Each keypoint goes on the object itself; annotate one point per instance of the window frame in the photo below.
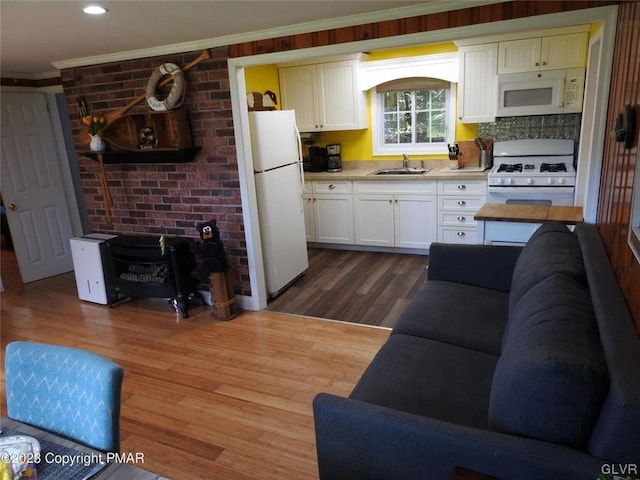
(379, 148)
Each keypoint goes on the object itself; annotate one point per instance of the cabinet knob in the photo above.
(461, 219)
(460, 118)
(460, 234)
(537, 64)
(461, 202)
(332, 187)
(461, 187)
(390, 202)
(544, 63)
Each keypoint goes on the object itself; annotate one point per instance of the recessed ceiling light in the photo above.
(94, 10)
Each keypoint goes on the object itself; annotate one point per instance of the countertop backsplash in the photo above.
(562, 126)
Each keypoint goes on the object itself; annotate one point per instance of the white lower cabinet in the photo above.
(395, 214)
(373, 220)
(458, 202)
(407, 214)
(328, 212)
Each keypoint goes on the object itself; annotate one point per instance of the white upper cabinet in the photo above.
(543, 53)
(297, 92)
(325, 96)
(478, 87)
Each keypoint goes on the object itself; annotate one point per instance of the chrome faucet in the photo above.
(405, 160)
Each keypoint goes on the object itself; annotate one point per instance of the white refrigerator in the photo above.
(277, 164)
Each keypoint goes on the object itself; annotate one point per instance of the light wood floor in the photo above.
(201, 398)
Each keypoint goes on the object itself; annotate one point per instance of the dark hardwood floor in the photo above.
(360, 287)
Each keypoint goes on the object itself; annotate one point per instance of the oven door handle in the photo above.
(541, 189)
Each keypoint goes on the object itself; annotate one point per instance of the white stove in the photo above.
(543, 162)
(535, 171)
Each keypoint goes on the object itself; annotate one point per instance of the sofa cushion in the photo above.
(551, 249)
(433, 379)
(551, 379)
(463, 315)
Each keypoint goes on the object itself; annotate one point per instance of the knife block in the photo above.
(470, 154)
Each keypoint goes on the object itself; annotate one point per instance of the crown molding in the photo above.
(435, 6)
(32, 76)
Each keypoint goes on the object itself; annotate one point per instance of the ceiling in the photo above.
(39, 37)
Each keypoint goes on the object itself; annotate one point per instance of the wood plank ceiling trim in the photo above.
(404, 26)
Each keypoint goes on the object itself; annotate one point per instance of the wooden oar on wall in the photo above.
(111, 117)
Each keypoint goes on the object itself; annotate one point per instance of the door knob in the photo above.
(12, 206)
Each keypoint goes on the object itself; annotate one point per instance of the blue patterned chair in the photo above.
(71, 392)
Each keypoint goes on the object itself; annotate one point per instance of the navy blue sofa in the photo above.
(514, 362)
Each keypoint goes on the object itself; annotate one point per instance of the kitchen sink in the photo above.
(401, 171)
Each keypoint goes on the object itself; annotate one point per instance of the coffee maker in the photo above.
(317, 160)
(334, 162)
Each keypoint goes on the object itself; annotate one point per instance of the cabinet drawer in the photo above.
(460, 218)
(395, 186)
(339, 186)
(462, 203)
(464, 235)
(462, 187)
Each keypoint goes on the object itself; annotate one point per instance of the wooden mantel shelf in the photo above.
(180, 155)
(495, 212)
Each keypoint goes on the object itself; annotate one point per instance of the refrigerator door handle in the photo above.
(300, 162)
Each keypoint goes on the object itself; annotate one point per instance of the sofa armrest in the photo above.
(360, 440)
(488, 266)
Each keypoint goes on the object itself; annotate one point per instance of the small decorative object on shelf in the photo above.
(147, 138)
(97, 143)
(94, 125)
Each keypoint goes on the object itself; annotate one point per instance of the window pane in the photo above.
(438, 98)
(422, 127)
(390, 102)
(404, 101)
(390, 128)
(438, 126)
(422, 99)
(405, 128)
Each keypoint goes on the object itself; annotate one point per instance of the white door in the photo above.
(32, 188)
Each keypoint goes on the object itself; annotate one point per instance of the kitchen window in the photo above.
(413, 116)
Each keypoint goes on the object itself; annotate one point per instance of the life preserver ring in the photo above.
(176, 94)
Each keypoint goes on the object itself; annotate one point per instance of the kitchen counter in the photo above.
(529, 213)
(514, 224)
(362, 170)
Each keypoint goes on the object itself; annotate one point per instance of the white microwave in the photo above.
(540, 93)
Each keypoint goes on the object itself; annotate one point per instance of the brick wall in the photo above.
(168, 199)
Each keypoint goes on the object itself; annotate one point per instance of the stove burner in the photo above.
(510, 167)
(553, 167)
